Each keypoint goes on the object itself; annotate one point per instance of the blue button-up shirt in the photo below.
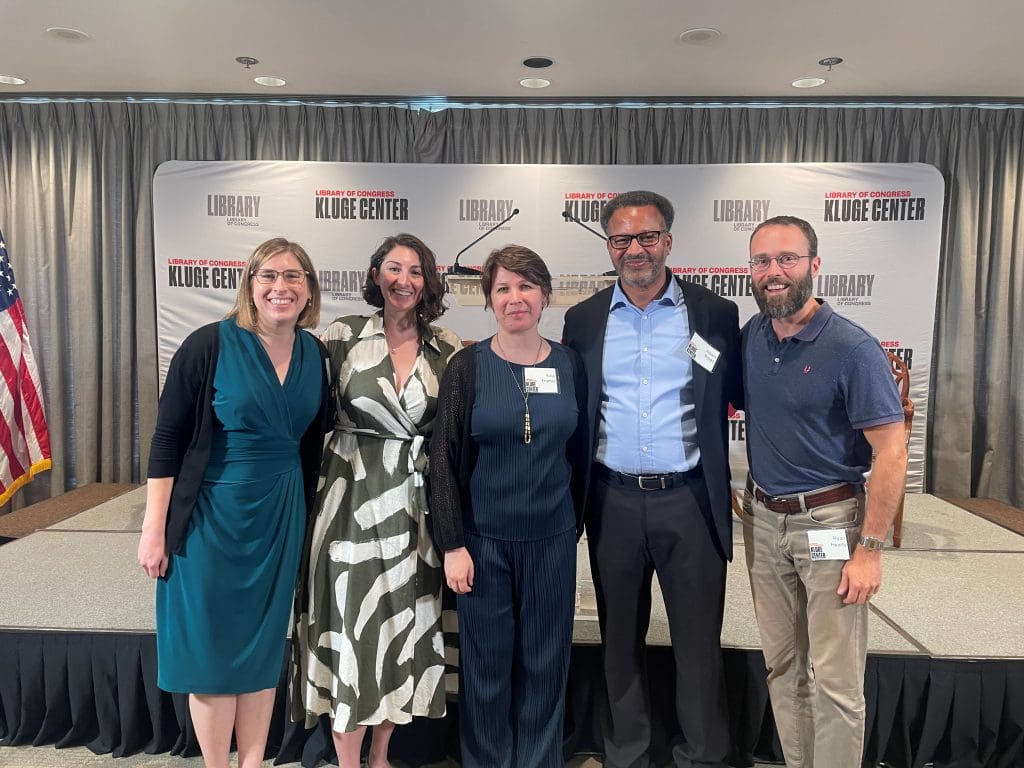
(647, 420)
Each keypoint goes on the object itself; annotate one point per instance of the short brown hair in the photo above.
(244, 310)
(521, 260)
(431, 305)
(791, 221)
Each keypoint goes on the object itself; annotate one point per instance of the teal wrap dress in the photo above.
(224, 607)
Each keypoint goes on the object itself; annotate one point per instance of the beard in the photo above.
(776, 308)
(643, 277)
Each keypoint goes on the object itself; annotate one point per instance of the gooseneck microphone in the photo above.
(569, 217)
(456, 268)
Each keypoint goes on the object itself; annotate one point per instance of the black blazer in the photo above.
(453, 451)
(717, 321)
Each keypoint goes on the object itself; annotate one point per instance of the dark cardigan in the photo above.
(453, 452)
(184, 429)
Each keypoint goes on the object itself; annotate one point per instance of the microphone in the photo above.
(456, 268)
(569, 217)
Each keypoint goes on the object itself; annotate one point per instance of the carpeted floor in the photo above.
(80, 757)
(15, 525)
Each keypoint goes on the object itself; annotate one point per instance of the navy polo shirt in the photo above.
(809, 396)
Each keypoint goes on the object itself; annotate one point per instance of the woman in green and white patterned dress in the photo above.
(368, 648)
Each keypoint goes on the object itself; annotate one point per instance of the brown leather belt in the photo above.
(790, 505)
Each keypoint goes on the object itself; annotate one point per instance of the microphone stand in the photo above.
(458, 269)
(569, 217)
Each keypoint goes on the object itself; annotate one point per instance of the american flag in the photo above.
(24, 441)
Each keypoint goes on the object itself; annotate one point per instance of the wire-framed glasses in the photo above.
(785, 260)
(269, 276)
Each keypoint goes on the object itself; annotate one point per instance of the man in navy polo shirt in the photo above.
(820, 399)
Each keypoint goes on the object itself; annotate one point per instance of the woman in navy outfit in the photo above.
(507, 456)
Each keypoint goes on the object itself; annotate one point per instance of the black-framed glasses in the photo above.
(269, 276)
(786, 261)
(646, 239)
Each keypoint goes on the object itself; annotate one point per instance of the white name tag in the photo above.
(540, 381)
(828, 545)
(703, 354)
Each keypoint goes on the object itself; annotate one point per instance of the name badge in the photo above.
(540, 381)
(828, 545)
(702, 353)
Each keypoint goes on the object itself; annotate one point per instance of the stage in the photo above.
(944, 682)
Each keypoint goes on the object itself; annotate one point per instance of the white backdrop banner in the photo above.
(878, 225)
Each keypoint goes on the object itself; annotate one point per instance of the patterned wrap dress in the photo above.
(368, 644)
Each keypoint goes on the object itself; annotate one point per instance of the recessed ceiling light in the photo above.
(270, 82)
(68, 34)
(699, 36)
(808, 82)
(12, 80)
(534, 82)
(537, 62)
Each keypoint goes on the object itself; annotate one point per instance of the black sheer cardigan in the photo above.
(453, 451)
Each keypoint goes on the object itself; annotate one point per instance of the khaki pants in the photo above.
(814, 645)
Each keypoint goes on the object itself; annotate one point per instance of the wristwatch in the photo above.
(872, 542)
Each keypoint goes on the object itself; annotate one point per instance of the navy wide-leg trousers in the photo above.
(515, 635)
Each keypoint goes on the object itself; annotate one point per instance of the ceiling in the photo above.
(466, 50)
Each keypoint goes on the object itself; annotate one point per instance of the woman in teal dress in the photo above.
(232, 474)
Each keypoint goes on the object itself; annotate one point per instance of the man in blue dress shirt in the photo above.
(663, 362)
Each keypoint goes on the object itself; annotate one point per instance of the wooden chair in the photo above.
(737, 503)
(902, 375)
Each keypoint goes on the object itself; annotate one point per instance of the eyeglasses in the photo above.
(646, 239)
(269, 276)
(786, 261)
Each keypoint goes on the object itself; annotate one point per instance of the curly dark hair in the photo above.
(431, 304)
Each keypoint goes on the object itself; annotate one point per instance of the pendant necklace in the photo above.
(527, 430)
(387, 341)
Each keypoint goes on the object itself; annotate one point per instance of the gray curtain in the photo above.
(76, 210)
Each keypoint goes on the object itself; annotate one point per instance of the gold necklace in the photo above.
(527, 427)
(394, 350)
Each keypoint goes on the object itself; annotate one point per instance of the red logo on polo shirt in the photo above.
(807, 369)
